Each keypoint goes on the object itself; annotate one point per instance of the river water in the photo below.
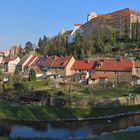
(66, 129)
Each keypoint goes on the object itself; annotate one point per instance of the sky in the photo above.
(28, 20)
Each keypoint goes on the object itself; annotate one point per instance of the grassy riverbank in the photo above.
(47, 113)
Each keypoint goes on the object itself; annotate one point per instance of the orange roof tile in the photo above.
(83, 65)
(100, 76)
(114, 65)
(61, 62)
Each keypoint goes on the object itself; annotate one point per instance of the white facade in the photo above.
(6, 53)
(1, 59)
(12, 65)
(91, 15)
(72, 36)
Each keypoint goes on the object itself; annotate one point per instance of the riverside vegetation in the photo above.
(10, 108)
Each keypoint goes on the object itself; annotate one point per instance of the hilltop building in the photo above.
(124, 20)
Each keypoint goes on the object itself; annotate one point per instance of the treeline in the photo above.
(104, 39)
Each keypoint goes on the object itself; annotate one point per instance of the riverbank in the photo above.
(47, 113)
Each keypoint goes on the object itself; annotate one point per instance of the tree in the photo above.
(61, 44)
(28, 47)
(99, 39)
(78, 47)
(43, 46)
(88, 43)
(32, 75)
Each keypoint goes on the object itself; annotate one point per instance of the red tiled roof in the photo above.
(77, 24)
(114, 65)
(83, 65)
(61, 62)
(31, 61)
(57, 62)
(100, 76)
(50, 61)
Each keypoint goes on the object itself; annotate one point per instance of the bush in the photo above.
(35, 84)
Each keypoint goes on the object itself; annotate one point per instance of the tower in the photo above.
(91, 15)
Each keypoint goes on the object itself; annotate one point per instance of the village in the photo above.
(67, 73)
(90, 73)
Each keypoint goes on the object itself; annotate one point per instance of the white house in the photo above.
(11, 65)
(72, 36)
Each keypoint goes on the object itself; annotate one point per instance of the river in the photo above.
(66, 129)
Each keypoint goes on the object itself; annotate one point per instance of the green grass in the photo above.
(47, 113)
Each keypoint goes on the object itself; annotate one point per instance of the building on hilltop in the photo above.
(123, 20)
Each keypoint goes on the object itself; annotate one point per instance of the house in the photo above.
(136, 68)
(1, 57)
(41, 63)
(55, 65)
(61, 65)
(37, 70)
(30, 62)
(26, 62)
(82, 66)
(10, 65)
(120, 69)
(100, 78)
(72, 34)
(81, 69)
(136, 73)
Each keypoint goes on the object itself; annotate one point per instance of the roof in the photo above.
(57, 62)
(2, 53)
(100, 76)
(78, 25)
(41, 61)
(7, 60)
(83, 65)
(31, 60)
(114, 65)
(23, 59)
(61, 62)
(50, 61)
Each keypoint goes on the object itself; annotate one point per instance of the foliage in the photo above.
(48, 113)
(28, 47)
(32, 75)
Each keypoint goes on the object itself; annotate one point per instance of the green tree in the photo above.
(61, 44)
(28, 47)
(32, 75)
(44, 46)
(99, 39)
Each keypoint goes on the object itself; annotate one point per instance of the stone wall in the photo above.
(91, 103)
(121, 101)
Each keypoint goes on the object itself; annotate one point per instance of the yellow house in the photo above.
(136, 68)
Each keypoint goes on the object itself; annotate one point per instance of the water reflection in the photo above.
(66, 129)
